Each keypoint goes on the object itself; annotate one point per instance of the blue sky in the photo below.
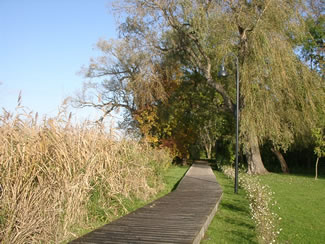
(43, 44)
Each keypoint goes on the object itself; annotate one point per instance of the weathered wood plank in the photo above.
(181, 216)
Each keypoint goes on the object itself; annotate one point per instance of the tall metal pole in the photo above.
(237, 124)
(223, 73)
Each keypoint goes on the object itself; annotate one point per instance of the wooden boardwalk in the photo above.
(181, 216)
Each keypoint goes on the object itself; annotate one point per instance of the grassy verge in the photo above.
(302, 207)
(232, 222)
(171, 177)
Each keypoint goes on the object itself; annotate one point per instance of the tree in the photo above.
(278, 91)
(193, 115)
(319, 136)
(130, 80)
(283, 163)
(312, 53)
(313, 44)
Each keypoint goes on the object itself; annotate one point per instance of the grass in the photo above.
(171, 178)
(232, 222)
(302, 207)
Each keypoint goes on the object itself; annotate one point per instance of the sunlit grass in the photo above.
(170, 179)
(232, 222)
(302, 207)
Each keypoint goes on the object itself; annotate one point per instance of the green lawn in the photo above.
(232, 222)
(301, 200)
(302, 207)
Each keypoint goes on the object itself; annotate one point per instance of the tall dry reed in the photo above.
(50, 170)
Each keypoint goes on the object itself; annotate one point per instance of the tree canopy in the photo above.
(163, 72)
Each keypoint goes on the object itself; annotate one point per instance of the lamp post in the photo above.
(223, 73)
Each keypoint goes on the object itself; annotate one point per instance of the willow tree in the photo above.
(125, 79)
(278, 92)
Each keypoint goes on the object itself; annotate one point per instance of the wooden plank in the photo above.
(181, 216)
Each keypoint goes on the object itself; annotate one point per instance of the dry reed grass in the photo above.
(50, 170)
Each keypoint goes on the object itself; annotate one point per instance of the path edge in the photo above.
(201, 233)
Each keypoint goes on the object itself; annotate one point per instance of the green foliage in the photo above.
(225, 149)
(300, 201)
(192, 116)
(313, 43)
(167, 60)
(319, 136)
(96, 210)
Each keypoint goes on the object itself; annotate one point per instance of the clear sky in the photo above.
(43, 44)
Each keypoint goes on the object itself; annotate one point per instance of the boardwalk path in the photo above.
(181, 216)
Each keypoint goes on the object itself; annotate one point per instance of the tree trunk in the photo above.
(216, 149)
(283, 163)
(254, 159)
(316, 169)
(208, 149)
